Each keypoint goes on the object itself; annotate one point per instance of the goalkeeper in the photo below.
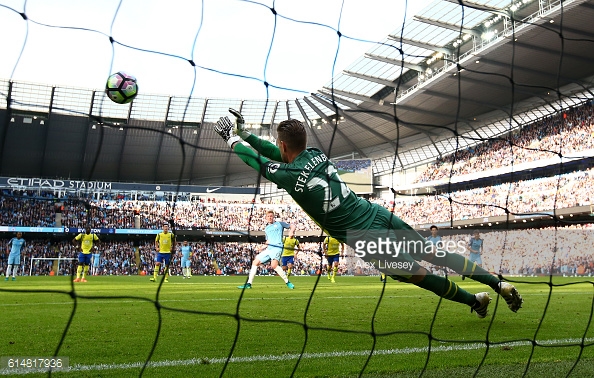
(313, 182)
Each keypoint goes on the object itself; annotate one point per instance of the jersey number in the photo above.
(336, 185)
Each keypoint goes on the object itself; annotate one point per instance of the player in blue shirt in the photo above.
(96, 257)
(476, 248)
(434, 238)
(274, 249)
(14, 256)
(186, 260)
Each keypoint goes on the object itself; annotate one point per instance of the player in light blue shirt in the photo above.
(274, 237)
(96, 257)
(186, 260)
(14, 256)
(434, 238)
(273, 250)
(476, 248)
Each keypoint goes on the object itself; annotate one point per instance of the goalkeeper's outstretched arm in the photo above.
(264, 147)
(225, 129)
(258, 162)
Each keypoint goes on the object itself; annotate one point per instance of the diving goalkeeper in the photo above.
(313, 182)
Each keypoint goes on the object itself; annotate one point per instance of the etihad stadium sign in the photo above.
(75, 185)
(57, 184)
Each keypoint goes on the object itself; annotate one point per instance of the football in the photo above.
(121, 88)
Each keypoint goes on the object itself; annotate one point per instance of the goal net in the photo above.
(468, 116)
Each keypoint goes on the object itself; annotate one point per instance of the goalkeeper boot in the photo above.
(75, 280)
(510, 294)
(290, 285)
(166, 280)
(152, 279)
(481, 307)
(246, 286)
(83, 280)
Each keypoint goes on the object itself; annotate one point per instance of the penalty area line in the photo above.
(295, 356)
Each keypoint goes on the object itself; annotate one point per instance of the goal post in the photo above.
(57, 259)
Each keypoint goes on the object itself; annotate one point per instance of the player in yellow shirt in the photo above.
(85, 242)
(290, 245)
(164, 243)
(333, 249)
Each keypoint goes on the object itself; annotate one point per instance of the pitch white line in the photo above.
(287, 357)
(291, 298)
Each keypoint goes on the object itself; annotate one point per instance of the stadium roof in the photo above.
(472, 71)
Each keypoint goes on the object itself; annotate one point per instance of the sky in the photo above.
(67, 43)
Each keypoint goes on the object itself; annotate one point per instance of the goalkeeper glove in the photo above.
(239, 124)
(224, 128)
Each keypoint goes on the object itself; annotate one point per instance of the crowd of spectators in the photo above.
(559, 135)
(521, 197)
(356, 165)
(562, 251)
(564, 133)
(529, 252)
(27, 208)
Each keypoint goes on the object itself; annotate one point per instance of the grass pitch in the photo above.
(112, 326)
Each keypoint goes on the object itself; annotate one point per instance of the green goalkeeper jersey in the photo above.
(313, 182)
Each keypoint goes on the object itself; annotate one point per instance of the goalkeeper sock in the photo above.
(462, 265)
(446, 289)
(281, 273)
(85, 271)
(78, 271)
(252, 274)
